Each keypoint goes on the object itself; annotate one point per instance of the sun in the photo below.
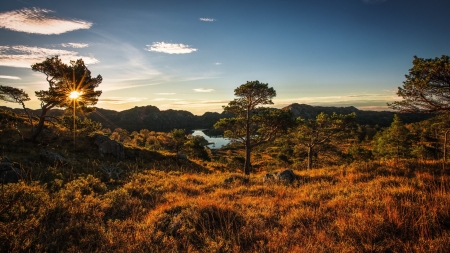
(74, 94)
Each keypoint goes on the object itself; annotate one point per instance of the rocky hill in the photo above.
(151, 118)
(382, 119)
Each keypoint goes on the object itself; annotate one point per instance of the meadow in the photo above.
(161, 205)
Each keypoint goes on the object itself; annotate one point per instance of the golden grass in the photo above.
(357, 208)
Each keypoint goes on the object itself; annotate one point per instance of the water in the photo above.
(217, 142)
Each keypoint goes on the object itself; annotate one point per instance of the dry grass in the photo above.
(357, 208)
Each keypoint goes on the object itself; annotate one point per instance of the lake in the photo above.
(216, 142)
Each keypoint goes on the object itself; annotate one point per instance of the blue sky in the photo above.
(191, 55)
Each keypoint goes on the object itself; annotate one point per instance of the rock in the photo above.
(268, 178)
(286, 175)
(108, 146)
(9, 173)
(52, 157)
(181, 156)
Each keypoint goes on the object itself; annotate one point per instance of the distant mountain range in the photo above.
(151, 118)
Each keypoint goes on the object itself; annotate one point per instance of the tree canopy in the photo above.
(323, 130)
(253, 124)
(427, 87)
(64, 79)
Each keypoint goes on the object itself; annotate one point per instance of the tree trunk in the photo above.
(40, 125)
(310, 153)
(247, 164)
(444, 159)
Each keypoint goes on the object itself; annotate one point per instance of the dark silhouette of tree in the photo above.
(64, 79)
(253, 124)
(427, 87)
(14, 95)
(322, 131)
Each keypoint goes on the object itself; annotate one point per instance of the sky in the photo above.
(191, 55)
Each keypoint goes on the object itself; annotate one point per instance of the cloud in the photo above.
(217, 63)
(11, 77)
(208, 19)
(203, 90)
(163, 94)
(75, 45)
(39, 21)
(165, 99)
(24, 57)
(120, 100)
(170, 48)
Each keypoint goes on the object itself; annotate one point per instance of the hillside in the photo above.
(372, 118)
(152, 118)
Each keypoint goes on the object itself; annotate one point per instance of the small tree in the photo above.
(14, 95)
(321, 131)
(393, 142)
(253, 125)
(427, 87)
(178, 137)
(64, 79)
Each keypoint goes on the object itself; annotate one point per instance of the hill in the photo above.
(152, 118)
(372, 118)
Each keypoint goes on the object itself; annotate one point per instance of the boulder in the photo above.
(286, 176)
(51, 157)
(268, 178)
(9, 173)
(181, 156)
(107, 146)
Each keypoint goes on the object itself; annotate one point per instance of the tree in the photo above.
(178, 137)
(14, 95)
(321, 131)
(427, 87)
(394, 141)
(253, 125)
(64, 79)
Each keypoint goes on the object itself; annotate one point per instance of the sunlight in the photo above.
(74, 94)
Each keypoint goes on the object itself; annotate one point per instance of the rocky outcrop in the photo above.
(286, 176)
(107, 146)
(53, 158)
(9, 173)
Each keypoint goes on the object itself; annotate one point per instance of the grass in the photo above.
(159, 204)
(364, 209)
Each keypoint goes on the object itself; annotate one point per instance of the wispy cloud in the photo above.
(24, 56)
(170, 48)
(120, 100)
(165, 93)
(10, 77)
(217, 63)
(75, 45)
(166, 99)
(208, 19)
(203, 90)
(39, 21)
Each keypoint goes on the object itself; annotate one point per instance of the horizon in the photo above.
(191, 56)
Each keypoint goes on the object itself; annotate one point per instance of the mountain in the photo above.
(382, 119)
(151, 118)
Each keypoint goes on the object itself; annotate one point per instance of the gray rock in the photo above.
(9, 173)
(269, 178)
(181, 156)
(52, 157)
(286, 176)
(108, 146)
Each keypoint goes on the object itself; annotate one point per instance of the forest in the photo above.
(284, 183)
